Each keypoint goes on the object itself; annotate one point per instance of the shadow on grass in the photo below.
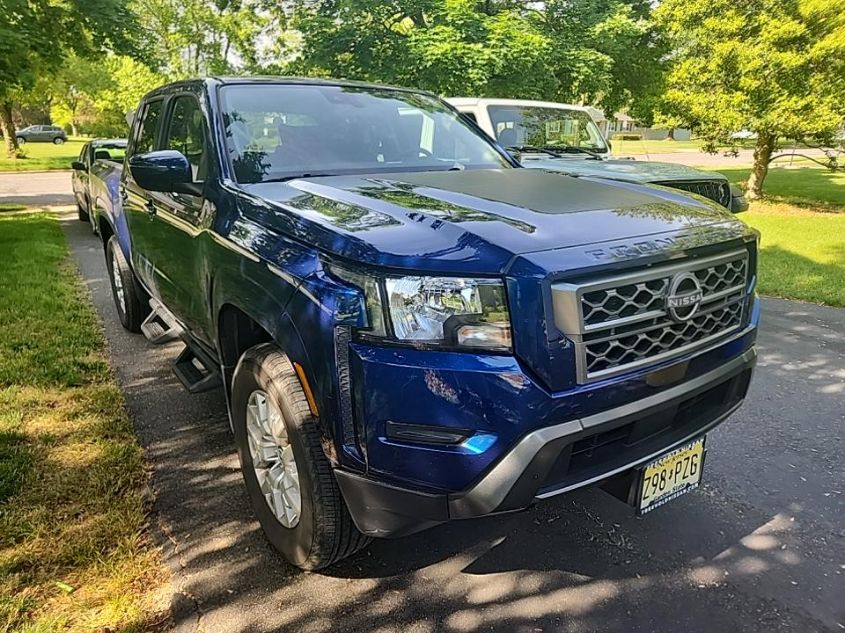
(820, 189)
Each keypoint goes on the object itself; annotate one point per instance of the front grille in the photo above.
(624, 322)
(717, 191)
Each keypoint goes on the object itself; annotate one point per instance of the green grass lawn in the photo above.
(802, 226)
(805, 186)
(802, 253)
(74, 555)
(640, 148)
(43, 156)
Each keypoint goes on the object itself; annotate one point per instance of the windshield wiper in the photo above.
(533, 149)
(557, 151)
(563, 149)
(298, 176)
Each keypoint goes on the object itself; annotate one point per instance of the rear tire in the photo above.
(82, 214)
(319, 531)
(132, 303)
(21, 140)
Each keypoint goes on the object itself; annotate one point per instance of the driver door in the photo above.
(177, 219)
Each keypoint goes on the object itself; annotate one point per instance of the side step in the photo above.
(160, 327)
(196, 371)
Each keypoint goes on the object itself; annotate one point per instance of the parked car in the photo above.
(98, 160)
(562, 137)
(41, 134)
(744, 135)
(409, 327)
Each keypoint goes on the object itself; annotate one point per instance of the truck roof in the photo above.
(484, 101)
(273, 79)
(115, 142)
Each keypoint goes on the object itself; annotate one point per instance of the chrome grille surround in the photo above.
(715, 190)
(621, 323)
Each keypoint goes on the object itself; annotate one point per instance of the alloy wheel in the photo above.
(273, 459)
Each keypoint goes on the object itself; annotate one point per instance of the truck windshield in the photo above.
(284, 131)
(536, 126)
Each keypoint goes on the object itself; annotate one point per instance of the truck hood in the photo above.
(627, 170)
(475, 221)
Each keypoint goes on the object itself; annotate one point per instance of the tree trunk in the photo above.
(671, 135)
(73, 129)
(762, 156)
(8, 128)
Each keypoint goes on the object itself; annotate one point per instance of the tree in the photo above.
(603, 51)
(127, 80)
(775, 67)
(199, 37)
(71, 89)
(36, 36)
(606, 52)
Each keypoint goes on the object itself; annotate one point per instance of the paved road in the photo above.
(760, 548)
(46, 188)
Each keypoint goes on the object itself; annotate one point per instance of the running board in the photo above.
(196, 371)
(160, 327)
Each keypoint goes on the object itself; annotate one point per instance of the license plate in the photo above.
(671, 475)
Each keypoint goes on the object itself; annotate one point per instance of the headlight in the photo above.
(454, 311)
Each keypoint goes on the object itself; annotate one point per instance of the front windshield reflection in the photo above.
(284, 131)
(543, 127)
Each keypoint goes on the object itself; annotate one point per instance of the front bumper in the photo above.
(555, 459)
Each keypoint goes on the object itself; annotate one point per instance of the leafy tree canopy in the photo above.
(604, 51)
(190, 38)
(775, 67)
(37, 35)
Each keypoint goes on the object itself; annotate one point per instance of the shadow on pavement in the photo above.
(722, 559)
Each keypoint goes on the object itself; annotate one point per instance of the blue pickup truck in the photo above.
(409, 327)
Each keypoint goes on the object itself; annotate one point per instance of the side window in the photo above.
(185, 135)
(149, 128)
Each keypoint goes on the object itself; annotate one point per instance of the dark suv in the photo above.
(41, 134)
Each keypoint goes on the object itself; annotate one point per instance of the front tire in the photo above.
(289, 479)
(131, 301)
(58, 140)
(82, 214)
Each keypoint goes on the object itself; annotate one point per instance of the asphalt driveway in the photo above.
(36, 188)
(760, 548)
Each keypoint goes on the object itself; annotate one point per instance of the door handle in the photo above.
(151, 209)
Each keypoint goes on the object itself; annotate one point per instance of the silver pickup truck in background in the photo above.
(564, 138)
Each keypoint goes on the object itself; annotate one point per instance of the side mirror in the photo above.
(165, 170)
(78, 165)
(739, 203)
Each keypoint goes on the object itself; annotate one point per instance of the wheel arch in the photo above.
(105, 228)
(237, 330)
